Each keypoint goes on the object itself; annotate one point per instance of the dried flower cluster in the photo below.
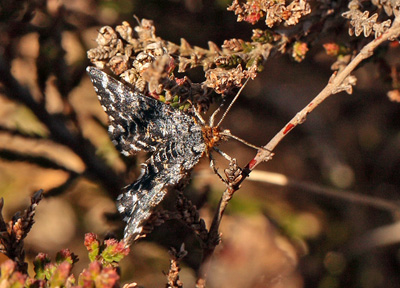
(12, 234)
(389, 6)
(361, 22)
(148, 63)
(275, 12)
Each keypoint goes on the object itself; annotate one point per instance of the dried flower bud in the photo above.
(361, 23)
(60, 274)
(97, 276)
(40, 263)
(125, 31)
(275, 12)
(106, 36)
(299, 51)
(331, 49)
(65, 255)
(114, 251)
(92, 245)
(394, 95)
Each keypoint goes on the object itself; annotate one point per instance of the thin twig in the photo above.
(382, 236)
(282, 180)
(346, 195)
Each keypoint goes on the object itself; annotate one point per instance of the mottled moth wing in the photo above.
(138, 122)
(131, 115)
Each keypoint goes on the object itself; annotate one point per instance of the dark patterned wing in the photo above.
(133, 118)
(139, 122)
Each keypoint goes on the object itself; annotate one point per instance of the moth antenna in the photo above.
(228, 134)
(233, 101)
(138, 20)
(212, 118)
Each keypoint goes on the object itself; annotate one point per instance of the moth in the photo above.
(175, 140)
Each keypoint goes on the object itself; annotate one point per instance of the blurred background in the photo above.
(333, 224)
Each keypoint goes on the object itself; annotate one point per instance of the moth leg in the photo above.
(223, 154)
(197, 114)
(233, 173)
(214, 168)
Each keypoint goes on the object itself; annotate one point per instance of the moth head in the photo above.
(212, 136)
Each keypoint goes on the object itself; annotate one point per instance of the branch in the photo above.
(40, 161)
(22, 134)
(337, 83)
